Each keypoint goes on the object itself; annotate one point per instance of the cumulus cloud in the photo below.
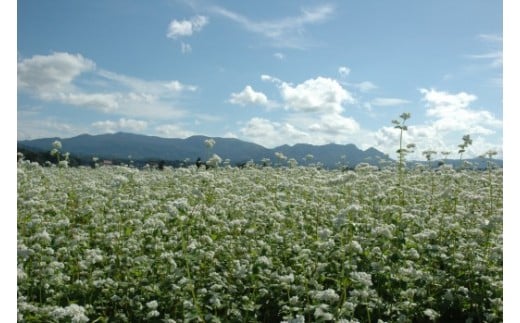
(184, 28)
(320, 94)
(271, 134)
(109, 126)
(453, 113)
(451, 117)
(248, 96)
(301, 129)
(336, 125)
(314, 113)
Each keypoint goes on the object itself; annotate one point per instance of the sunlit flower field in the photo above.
(253, 244)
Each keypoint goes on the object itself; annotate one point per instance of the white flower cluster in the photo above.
(293, 244)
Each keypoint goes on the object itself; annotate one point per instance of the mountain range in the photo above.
(125, 146)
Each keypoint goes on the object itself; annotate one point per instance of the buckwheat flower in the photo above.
(215, 301)
(280, 156)
(21, 275)
(355, 246)
(321, 313)
(263, 260)
(412, 253)
(354, 208)
(328, 295)
(194, 245)
(209, 143)
(287, 279)
(75, 312)
(361, 278)
(153, 313)
(294, 300)
(298, 319)
(152, 305)
(348, 307)
(43, 236)
(187, 304)
(214, 161)
(324, 233)
(181, 204)
(383, 231)
(56, 144)
(431, 314)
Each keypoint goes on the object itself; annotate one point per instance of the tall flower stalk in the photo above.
(466, 142)
(428, 155)
(400, 124)
(489, 166)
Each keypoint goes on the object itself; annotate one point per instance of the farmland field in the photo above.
(294, 244)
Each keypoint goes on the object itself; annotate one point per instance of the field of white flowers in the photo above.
(300, 244)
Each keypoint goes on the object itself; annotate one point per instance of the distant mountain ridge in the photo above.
(141, 147)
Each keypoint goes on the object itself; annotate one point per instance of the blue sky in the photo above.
(270, 72)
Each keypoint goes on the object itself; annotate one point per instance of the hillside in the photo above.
(124, 146)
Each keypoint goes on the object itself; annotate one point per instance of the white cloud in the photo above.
(271, 134)
(230, 135)
(494, 57)
(454, 115)
(177, 86)
(59, 78)
(173, 131)
(440, 103)
(269, 78)
(155, 88)
(494, 38)
(185, 48)
(46, 127)
(452, 118)
(314, 107)
(387, 102)
(248, 96)
(343, 71)
(301, 129)
(122, 124)
(45, 75)
(365, 86)
(100, 101)
(314, 95)
(279, 56)
(336, 125)
(284, 32)
(183, 28)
